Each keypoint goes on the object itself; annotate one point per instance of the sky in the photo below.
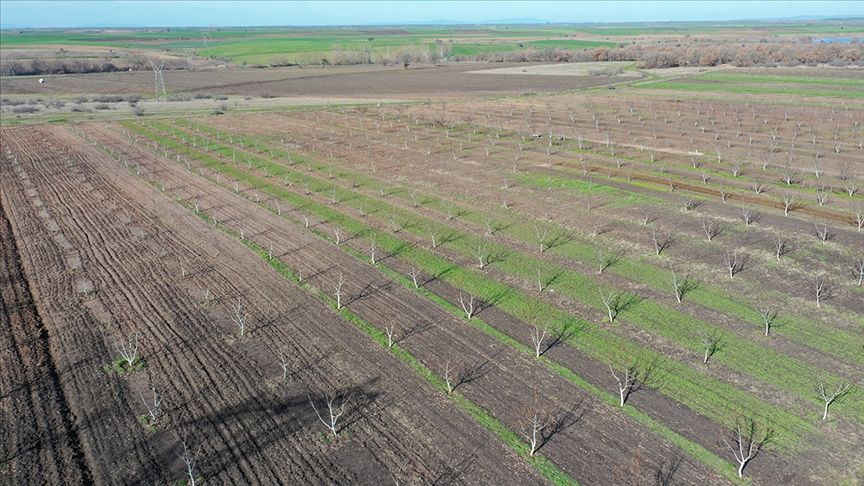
(58, 14)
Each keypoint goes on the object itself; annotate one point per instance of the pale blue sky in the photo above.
(24, 14)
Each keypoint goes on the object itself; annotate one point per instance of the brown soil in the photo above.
(451, 81)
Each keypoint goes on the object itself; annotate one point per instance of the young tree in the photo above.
(605, 260)
(534, 429)
(338, 290)
(711, 229)
(749, 216)
(710, 345)
(789, 203)
(373, 245)
(780, 247)
(334, 404)
(450, 377)
(433, 234)
(390, 330)
(661, 242)
(128, 348)
(239, 318)
(746, 440)
(480, 253)
(190, 459)
(858, 271)
(540, 234)
(612, 300)
(154, 405)
(821, 289)
(415, 275)
(769, 315)
(538, 336)
(633, 377)
(824, 233)
(681, 285)
(286, 363)
(830, 394)
(735, 262)
(467, 305)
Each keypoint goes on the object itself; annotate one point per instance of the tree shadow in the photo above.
(561, 421)
(449, 474)
(562, 335)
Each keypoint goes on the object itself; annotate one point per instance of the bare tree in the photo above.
(746, 440)
(661, 242)
(538, 336)
(711, 229)
(824, 233)
(450, 377)
(710, 345)
(681, 285)
(336, 403)
(749, 216)
(190, 459)
(633, 377)
(540, 234)
(788, 204)
(780, 247)
(821, 287)
(373, 245)
(128, 348)
(154, 405)
(467, 305)
(768, 315)
(830, 393)
(337, 235)
(541, 282)
(338, 290)
(859, 220)
(286, 363)
(605, 260)
(390, 330)
(858, 271)
(239, 318)
(612, 300)
(414, 274)
(480, 253)
(433, 234)
(735, 262)
(533, 429)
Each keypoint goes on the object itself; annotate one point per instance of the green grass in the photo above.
(764, 84)
(703, 394)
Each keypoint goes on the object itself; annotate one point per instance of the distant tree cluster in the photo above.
(77, 66)
(677, 54)
(743, 55)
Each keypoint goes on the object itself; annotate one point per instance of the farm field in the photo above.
(420, 83)
(578, 287)
(472, 254)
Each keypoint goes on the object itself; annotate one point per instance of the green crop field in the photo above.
(792, 85)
